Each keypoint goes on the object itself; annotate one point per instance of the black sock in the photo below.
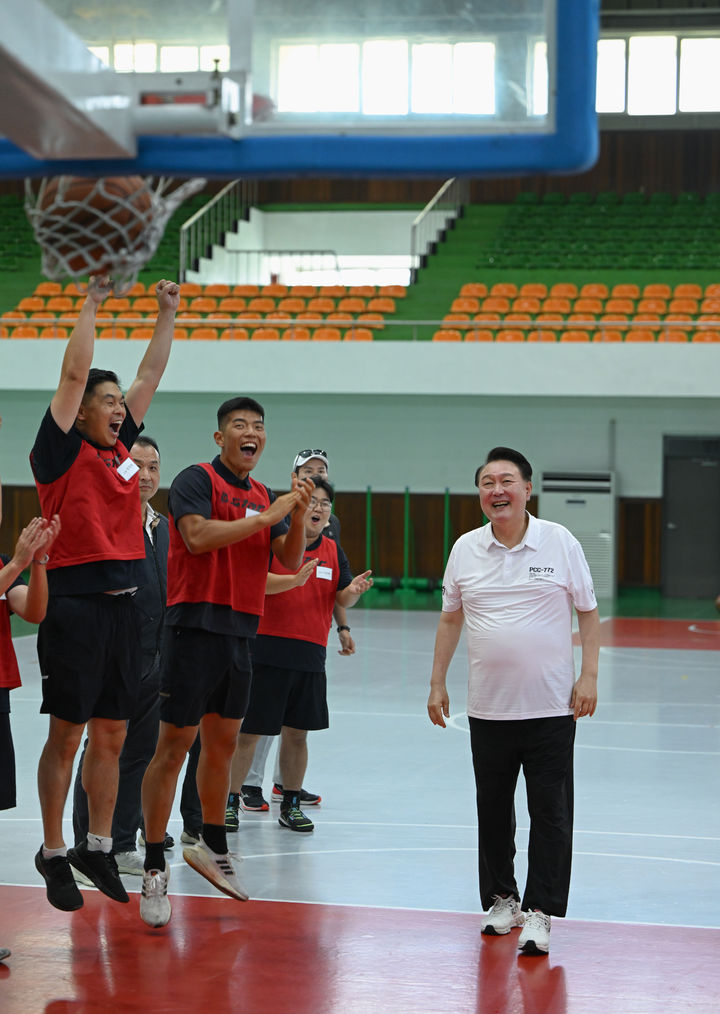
(154, 856)
(291, 799)
(215, 838)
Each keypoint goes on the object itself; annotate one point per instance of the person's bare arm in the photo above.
(289, 548)
(446, 641)
(278, 583)
(30, 601)
(202, 535)
(584, 695)
(78, 357)
(152, 367)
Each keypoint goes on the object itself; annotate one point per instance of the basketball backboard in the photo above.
(243, 88)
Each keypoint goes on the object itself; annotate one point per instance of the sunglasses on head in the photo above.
(311, 452)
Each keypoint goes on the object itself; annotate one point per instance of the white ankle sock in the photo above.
(53, 853)
(96, 843)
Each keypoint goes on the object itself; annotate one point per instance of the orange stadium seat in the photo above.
(141, 333)
(200, 304)
(117, 304)
(245, 290)
(53, 331)
(217, 289)
(510, 335)
(640, 334)
(393, 291)
(138, 289)
(594, 290)
(24, 331)
(447, 335)
(712, 291)
(619, 321)
(148, 304)
(507, 289)
(711, 304)
(683, 304)
(48, 289)
(477, 290)
(384, 304)
(263, 304)
(279, 317)
(608, 334)
(486, 317)
(30, 303)
(358, 334)
(480, 334)
(302, 291)
(535, 290)
(352, 304)
(13, 315)
(340, 315)
(619, 305)
(190, 289)
(657, 290)
(456, 319)
(518, 319)
(180, 334)
(275, 290)
(321, 304)
(588, 304)
(498, 304)
(678, 318)
(296, 334)
(542, 335)
(234, 334)
(371, 318)
(687, 290)
(556, 304)
(526, 304)
(564, 290)
(71, 289)
(203, 334)
(651, 305)
(266, 334)
(113, 332)
(625, 290)
(709, 335)
(673, 334)
(326, 334)
(4, 333)
(575, 335)
(332, 291)
(465, 304)
(364, 291)
(231, 304)
(293, 304)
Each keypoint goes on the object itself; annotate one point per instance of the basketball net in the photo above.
(78, 239)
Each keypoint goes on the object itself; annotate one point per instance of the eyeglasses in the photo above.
(323, 505)
(310, 452)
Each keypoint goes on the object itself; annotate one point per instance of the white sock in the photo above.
(53, 853)
(96, 843)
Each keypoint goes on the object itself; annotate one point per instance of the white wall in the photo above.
(393, 414)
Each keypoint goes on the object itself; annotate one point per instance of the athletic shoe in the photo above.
(251, 799)
(218, 869)
(101, 868)
(232, 822)
(535, 937)
(130, 862)
(505, 915)
(155, 908)
(168, 841)
(306, 798)
(80, 878)
(5, 952)
(62, 890)
(191, 835)
(292, 817)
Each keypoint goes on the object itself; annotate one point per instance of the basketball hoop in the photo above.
(108, 226)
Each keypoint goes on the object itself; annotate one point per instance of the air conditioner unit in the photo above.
(586, 504)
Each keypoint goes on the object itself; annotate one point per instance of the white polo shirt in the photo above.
(518, 615)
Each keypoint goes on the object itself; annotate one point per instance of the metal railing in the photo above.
(446, 205)
(211, 223)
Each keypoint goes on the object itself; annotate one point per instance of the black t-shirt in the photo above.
(288, 652)
(191, 493)
(52, 456)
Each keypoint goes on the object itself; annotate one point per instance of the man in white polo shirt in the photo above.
(514, 582)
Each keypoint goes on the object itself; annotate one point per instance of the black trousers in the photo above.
(137, 752)
(543, 749)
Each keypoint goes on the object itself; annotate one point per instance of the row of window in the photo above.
(641, 75)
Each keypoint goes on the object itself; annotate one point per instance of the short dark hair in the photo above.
(145, 441)
(237, 404)
(96, 377)
(507, 454)
(322, 483)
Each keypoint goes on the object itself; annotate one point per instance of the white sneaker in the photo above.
(535, 937)
(505, 915)
(218, 869)
(80, 878)
(155, 908)
(130, 862)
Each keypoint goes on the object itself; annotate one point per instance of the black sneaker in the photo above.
(62, 890)
(232, 821)
(168, 840)
(251, 798)
(101, 868)
(306, 798)
(293, 818)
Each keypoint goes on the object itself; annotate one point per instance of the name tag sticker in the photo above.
(324, 573)
(128, 469)
(249, 512)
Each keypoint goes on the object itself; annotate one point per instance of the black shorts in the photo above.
(285, 697)
(7, 754)
(90, 657)
(201, 674)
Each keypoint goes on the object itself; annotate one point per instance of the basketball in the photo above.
(93, 219)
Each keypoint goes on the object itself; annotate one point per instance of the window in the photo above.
(179, 59)
(610, 76)
(539, 89)
(652, 75)
(385, 77)
(699, 79)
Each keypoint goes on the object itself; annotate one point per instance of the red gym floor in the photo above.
(279, 958)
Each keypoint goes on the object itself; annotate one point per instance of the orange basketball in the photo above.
(115, 208)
